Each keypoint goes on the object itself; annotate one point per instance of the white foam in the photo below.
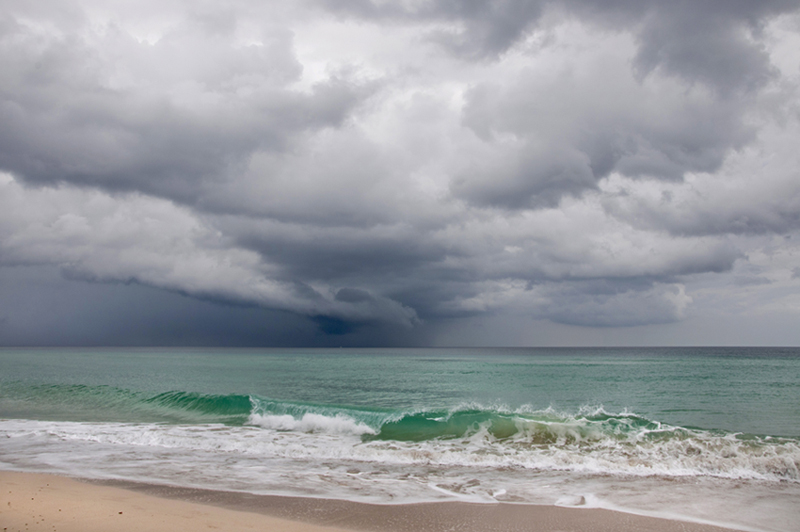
(585, 500)
(325, 457)
(311, 423)
(320, 437)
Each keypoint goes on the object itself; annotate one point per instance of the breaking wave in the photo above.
(590, 440)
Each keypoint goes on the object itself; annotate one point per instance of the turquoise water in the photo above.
(401, 425)
(749, 390)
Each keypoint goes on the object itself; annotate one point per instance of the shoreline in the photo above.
(45, 502)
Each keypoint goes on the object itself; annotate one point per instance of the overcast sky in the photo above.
(405, 172)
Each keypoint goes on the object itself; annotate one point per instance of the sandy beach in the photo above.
(39, 502)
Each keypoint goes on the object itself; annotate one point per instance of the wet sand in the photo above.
(38, 502)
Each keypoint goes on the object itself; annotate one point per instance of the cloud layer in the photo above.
(373, 172)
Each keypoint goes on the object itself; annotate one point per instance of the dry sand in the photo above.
(37, 502)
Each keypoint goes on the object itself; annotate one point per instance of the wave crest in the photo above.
(311, 423)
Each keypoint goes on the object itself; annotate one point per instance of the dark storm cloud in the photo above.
(714, 42)
(201, 121)
(132, 238)
(575, 130)
(561, 160)
(64, 121)
(710, 44)
(447, 273)
(336, 253)
(751, 218)
(572, 132)
(708, 41)
(617, 304)
(47, 310)
(477, 29)
(166, 120)
(751, 198)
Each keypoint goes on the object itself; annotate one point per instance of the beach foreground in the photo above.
(38, 502)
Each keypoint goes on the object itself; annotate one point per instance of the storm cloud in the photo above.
(370, 173)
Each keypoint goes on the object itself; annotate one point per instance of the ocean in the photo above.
(702, 434)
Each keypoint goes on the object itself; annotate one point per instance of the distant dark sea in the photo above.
(705, 434)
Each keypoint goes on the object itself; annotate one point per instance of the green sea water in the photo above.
(749, 390)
